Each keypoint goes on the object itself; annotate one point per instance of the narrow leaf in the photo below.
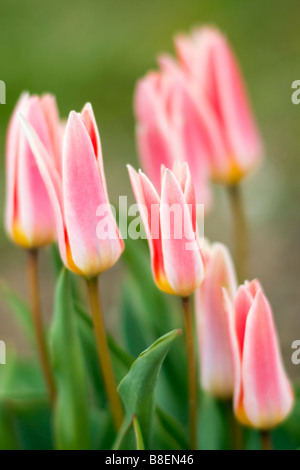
(173, 428)
(72, 426)
(21, 311)
(121, 360)
(138, 386)
(138, 434)
(130, 437)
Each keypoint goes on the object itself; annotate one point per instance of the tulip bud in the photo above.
(216, 361)
(29, 217)
(170, 225)
(213, 76)
(79, 196)
(263, 395)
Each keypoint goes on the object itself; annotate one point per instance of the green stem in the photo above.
(38, 322)
(103, 351)
(241, 237)
(192, 371)
(236, 438)
(266, 441)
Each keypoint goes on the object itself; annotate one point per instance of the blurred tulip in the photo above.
(213, 77)
(29, 217)
(216, 361)
(77, 195)
(263, 395)
(174, 246)
(169, 129)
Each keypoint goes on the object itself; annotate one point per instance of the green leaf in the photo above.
(121, 360)
(287, 436)
(25, 416)
(148, 313)
(102, 424)
(138, 434)
(58, 265)
(158, 311)
(8, 438)
(138, 386)
(21, 311)
(90, 355)
(72, 425)
(169, 429)
(210, 424)
(169, 432)
(253, 441)
(126, 438)
(137, 331)
(121, 356)
(56, 260)
(130, 437)
(32, 422)
(21, 379)
(103, 431)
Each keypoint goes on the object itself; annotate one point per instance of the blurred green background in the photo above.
(95, 50)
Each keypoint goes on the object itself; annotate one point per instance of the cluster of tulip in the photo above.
(194, 125)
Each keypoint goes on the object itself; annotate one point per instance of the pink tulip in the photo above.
(263, 396)
(174, 246)
(29, 217)
(216, 361)
(213, 76)
(169, 130)
(79, 196)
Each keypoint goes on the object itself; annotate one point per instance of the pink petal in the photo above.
(182, 259)
(200, 133)
(51, 180)
(149, 204)
(216, 360)
(228, 96)
(12, 144)
(253, 287)
(153, 132)
(183, 176)
(89, 120)
(34, 213)
(49, 106)
(243, 301)
(268, 397)
(83, 194)
(185, 50)
(242, 305)
(237, 359)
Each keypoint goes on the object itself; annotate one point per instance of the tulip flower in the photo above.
(263, 395)
(177, 264)
(216, 361)
(213, 76)
(88, 237)
(169, 129)
(29, 217)
(77, 194)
